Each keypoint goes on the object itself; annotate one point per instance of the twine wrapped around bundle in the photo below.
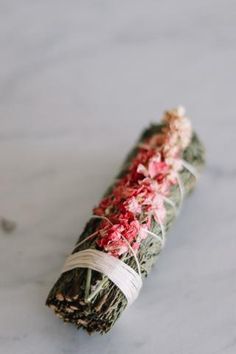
(127, 230)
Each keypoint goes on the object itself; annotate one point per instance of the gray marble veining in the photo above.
(78, 82)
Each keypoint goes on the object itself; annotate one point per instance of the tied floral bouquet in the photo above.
(127, 230)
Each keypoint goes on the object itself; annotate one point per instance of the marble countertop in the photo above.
(78, 83)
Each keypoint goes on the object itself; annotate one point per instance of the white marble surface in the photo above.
(78, 82)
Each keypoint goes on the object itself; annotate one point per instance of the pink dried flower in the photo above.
(179, 126)
(139, 196)
(132, 205)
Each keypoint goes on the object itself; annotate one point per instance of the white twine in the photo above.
(133, 253)
(161, 239)
(171, 203)
(190, 168)
(121, 274)
(181, 190)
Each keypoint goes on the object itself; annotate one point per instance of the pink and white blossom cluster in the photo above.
(139, 197)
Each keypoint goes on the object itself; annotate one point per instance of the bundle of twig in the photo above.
(131, 221)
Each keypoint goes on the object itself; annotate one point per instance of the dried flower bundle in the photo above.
(131, 221)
